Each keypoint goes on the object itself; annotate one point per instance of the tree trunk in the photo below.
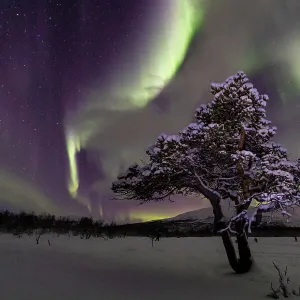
(244, 262)
(258, 218)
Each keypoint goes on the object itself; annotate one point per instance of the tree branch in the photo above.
(211, 195)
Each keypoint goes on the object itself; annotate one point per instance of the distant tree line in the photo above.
(31, 224)
(25, 223)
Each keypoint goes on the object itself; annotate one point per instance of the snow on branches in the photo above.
(227, 153)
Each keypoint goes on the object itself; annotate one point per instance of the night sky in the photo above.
(87, 85)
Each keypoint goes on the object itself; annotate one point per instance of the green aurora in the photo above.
(168, 44)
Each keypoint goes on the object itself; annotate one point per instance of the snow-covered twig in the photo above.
(284, 284)
(240, 216)
(274, 293)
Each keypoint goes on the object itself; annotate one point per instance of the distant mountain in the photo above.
(205, 215)
(199, 214)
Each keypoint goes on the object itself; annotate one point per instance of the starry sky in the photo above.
(86, 87)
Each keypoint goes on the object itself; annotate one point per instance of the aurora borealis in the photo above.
(86, 86)
(164, 46)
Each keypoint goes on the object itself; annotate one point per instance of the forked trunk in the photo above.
(243, 263)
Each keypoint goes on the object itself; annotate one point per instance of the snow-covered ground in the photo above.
(184, 268)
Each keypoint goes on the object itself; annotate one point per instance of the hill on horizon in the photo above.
(206, 215)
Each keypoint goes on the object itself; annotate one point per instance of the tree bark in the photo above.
(243, 263)
(245, 257)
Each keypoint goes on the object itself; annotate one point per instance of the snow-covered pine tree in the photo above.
(227, 154)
